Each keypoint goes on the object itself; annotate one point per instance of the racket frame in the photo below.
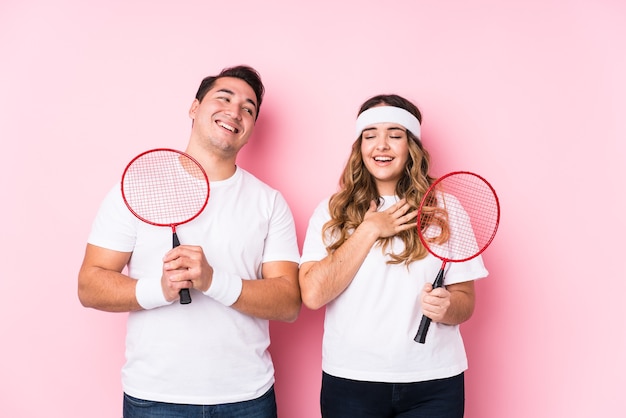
(175, 224)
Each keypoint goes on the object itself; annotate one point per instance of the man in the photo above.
(210, 355)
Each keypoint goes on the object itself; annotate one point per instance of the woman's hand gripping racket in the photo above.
(457, 220)
(165, 187)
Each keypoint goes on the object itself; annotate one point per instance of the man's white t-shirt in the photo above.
(203, 352)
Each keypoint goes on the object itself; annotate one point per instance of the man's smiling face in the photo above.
(225, 118)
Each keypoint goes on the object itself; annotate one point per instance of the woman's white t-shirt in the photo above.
(369, 329)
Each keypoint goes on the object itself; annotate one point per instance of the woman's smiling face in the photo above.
(385, 151)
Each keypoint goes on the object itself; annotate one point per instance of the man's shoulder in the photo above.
(250, 180)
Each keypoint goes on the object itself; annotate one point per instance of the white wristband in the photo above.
(225, 287)
(149, 294)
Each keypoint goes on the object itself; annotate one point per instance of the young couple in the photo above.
(362, 259)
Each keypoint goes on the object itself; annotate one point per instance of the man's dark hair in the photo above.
(243, 72)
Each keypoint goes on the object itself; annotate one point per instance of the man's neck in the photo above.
(216, 167)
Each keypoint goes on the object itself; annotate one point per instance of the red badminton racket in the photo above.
(165, 187)
(457, 219)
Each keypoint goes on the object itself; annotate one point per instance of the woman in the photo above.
(363, 260)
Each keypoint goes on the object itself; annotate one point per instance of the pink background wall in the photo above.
(529, 93)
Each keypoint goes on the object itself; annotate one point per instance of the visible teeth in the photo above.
(383, 158)
(230, 128)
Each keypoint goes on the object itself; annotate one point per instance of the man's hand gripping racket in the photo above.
(457, 219)
(165, 187)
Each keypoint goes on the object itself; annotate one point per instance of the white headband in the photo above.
(381, 114)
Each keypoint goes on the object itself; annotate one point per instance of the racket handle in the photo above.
(420, 337)
(185, 297)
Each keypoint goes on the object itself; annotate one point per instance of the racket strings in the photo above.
(472, 215)
(165, 187)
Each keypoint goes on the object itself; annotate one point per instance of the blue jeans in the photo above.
(262, 407)
(345, 398)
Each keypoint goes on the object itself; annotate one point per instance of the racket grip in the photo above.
(438, 280)
(185, 297)
(420, 337)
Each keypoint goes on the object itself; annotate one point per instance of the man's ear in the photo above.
(194, 108)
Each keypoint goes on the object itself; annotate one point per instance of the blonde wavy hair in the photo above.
(357, 188)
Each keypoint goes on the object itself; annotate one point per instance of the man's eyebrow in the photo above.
(232, 93)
